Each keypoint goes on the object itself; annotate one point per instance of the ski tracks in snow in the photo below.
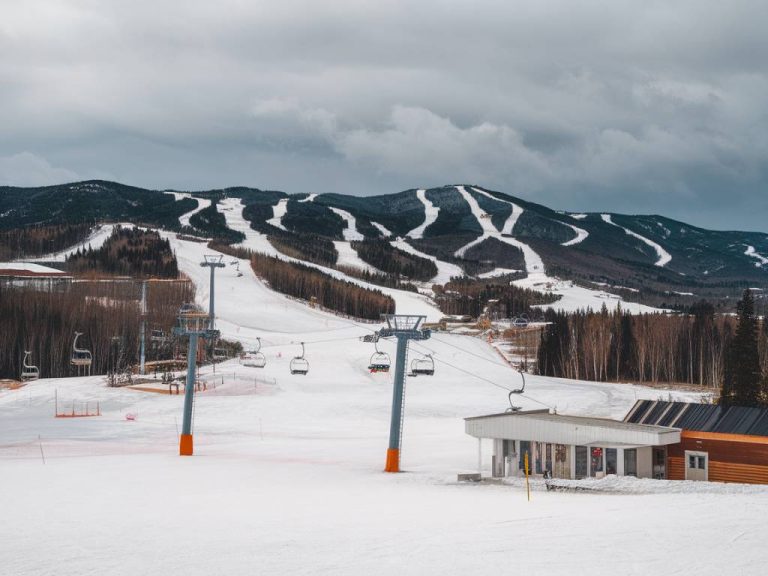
(350, 232)
(278, 212)
(664, 256)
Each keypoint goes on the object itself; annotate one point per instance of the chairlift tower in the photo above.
(212, 261)
(194, 323)
(403, 327)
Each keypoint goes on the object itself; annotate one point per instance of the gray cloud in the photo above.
(623, 106)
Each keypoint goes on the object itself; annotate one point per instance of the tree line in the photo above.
(382, 255)
(470, 297)
(128, 252)
(107, 313)
(694, 348)
(36, 241)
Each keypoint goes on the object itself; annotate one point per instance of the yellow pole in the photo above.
(527, 485)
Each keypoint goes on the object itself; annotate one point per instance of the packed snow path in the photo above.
(384, 231)
(406, 302)
(581, 235)
(202, 204)
(310, 198)
(752, 253)
(533, 262)
(430, 215)
(445, 270)
(287, 476)
(664, 256)
(278, 211)
(350, 232)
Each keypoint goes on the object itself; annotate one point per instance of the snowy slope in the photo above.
(533, 262)
(385, 232)
(664, 256)
(445, 270)
(581, 235)
(278, 211)
(287, 478)
(430, 215)
(348, 257)
(95, 240)
(350, 232)
(761, 260)
(202, 204)
(406, 302)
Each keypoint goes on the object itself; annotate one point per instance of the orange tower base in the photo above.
(185, 445)
(393, 460)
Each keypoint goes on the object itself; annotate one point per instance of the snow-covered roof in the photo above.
(541, 426)
(28, 269)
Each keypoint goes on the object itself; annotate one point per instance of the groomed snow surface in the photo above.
(287, 474)
(430, 215)
(752, 253)
(664, 256)
(287, 479)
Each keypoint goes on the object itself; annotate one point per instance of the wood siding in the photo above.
(732, 457)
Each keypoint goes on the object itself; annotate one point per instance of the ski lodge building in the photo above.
(657, 439)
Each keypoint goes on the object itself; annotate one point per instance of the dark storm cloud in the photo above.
(623, 106)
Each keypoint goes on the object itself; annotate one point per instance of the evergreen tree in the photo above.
(742, 378)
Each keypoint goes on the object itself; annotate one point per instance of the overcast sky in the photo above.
(623, 106)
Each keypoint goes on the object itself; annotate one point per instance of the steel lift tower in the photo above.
(192, 322)
(403, 327)
(212, 261)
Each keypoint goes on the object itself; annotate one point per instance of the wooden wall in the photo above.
(732, 457)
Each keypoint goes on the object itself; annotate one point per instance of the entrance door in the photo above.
(660, 462)
(696, 465)
(630, 462)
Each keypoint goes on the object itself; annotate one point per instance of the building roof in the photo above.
(541, 426)
(701, 417)
(29, 270)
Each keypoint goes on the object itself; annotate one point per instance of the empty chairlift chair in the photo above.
(299, 364)
(28, 371)
(512, 407)
(423, 366)
(254, 358)
(81, 357)
(380, 361)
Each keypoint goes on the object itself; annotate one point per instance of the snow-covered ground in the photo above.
(664, 256)
(287, 479)
(278, 211)
(202, 204)
(95, 240)
(383, 229)
(752, 253)
(350, 232)
(192, 252)
(287, 474)
(430, 215)
(349, 257)
(581, 235)
(445, 270)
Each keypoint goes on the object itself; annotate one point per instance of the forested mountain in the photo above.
(650, 257)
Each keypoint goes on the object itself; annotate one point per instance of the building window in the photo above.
(582, 455)
(596, 461)
(610, 460)
(630, 462)
(696, 462)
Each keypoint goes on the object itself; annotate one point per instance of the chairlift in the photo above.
(254, 358)
(380, 361)
(521, 321)
(28, 371)
(512, 407)
(423, 366)
(299, 364)
(81, 357)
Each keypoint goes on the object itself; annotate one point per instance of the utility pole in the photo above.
(403, 327)
(192, 322)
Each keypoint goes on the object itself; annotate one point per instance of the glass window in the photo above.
(630, 462)
(539, 450)
(691, 461)
(581, 461)
(596, 461)
(702, 461)
(610, 460)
